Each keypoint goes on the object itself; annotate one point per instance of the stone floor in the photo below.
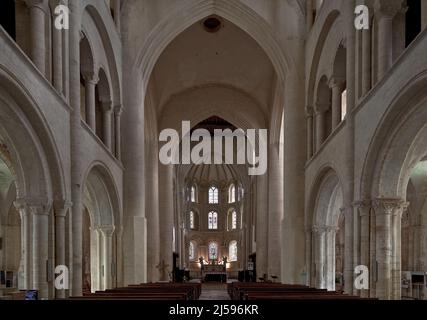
(214, 291)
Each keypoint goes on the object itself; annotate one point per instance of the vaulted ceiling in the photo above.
(228, 57)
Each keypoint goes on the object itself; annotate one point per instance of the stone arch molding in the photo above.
(102, 43)
(388, 165)
(328, 18)
(327, 199)
(325, 209)
(39, 173)
(101, 197)
(239, 14)
(233, 10)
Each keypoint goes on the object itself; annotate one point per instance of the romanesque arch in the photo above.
(38, 179)
(325, 232)
(101, 234)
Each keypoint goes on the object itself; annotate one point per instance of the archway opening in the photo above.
(11, 264)
(99, 234)
(328, 235)
(414, 235)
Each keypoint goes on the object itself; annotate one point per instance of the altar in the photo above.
(214, 272)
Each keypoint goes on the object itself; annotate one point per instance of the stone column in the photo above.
(66, 61)
(26, 250)
(37, 29)
(61, 208)
(385, 11)
(275, 210)
(90, 84)
(366, 61)
(308, 256)
(133, 158)
(384, 210)
(364, 209)
(348, 197)
(295, 155)
(76, 151)
(423, 15)
(261, 226)
(337, 85)
(57, 58)
(166, 210)
(348, 249)
(117, 16)
(396, 221)
(309, 14)
(106, 126)
(40, 217)
(117, 132)
(309, 116)
(107, 255)
(320, 243)
(330, 234)
(320, 127)
(152, 205)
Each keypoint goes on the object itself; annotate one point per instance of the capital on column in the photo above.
(107, 106)
(61, 207)
(107, 231)
(387, 8)
(331, 229)
(309, 111)
(118, 110)
(319, 230)
(389, 206)
(40, 207)
(337, 82)
(90, 78)
(21, 206)
(363, 207)
(41, 4)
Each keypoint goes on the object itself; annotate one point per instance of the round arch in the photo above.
(324, 219)
(328, 175)
(38, 167)
(388, 165)
(98, 175)
(317, 52)
(111, 56)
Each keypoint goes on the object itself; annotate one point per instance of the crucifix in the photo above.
(162, 266)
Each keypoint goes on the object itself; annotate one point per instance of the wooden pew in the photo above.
(150, 291)
(277, 291)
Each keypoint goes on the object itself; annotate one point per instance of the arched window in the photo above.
(232, 194)
(234, 220)
(193, 196)
(343, 104)
(191, 218)
(213, 195)
(192, 251)
(213, 251)
(232, 251)
(213, 220)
